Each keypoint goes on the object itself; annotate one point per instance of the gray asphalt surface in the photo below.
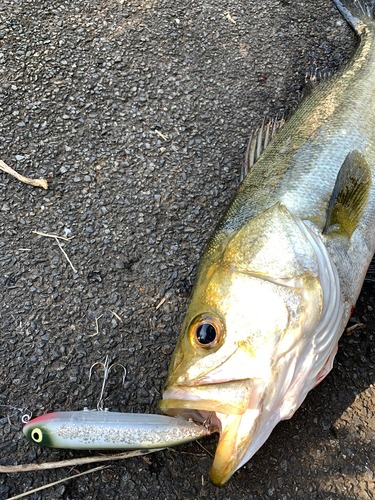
(86, 89)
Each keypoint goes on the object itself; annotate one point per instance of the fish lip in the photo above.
(236, 424)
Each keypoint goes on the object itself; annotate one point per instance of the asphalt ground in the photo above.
(138, 115)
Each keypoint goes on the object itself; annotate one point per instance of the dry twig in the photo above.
(357, 326)
(205, 449)
(117, 316)
(56, 238)
(97, 327)
(9, 469)
(165, 137)
(229, 17)
(33, 182)
(67, 258)
(30, 492)
(161, 303)
(187, 452)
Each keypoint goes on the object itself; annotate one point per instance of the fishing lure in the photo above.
(101, 429)
(104, 430)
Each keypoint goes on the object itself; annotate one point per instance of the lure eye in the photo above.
(37, 435)
(206, 331)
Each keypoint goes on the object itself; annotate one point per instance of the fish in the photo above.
(107, 430)
(281, 273)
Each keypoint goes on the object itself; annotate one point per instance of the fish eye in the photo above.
(37, 435)
(205, 331)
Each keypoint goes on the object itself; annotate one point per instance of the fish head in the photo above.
(256, 300)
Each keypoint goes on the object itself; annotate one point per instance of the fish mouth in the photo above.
(230, 398)
(229, 406)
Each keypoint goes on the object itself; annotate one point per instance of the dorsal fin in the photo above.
(258, 142)
(312, 80)
(349, 196)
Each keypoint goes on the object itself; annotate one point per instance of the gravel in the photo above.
(138, 114)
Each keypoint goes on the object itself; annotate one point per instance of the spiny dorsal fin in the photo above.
(312, 79)
(349, 196)
(258, 142)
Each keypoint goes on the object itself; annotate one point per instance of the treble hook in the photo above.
(106, 368)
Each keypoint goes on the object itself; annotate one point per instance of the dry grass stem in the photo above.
(33, 182)
(203, 448)
(67, 258)
(58, 482)
(229, 17)
(97, 327)
(54, 236)
(165, 137)
(10, 469)
(161, 303)
(357, 326)
(24, 249)
(117, 316)
(187, 452)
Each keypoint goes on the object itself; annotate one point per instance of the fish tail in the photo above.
(358, 13)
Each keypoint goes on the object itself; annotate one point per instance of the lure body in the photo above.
(105, 430)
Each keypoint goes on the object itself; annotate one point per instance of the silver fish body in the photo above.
(284, 268)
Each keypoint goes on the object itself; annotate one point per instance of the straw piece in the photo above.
(33, 182)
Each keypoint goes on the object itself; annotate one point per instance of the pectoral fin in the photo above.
(349, 196)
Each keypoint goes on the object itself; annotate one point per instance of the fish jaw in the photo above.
(237, 415)
(235, 437)
(243, 427)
